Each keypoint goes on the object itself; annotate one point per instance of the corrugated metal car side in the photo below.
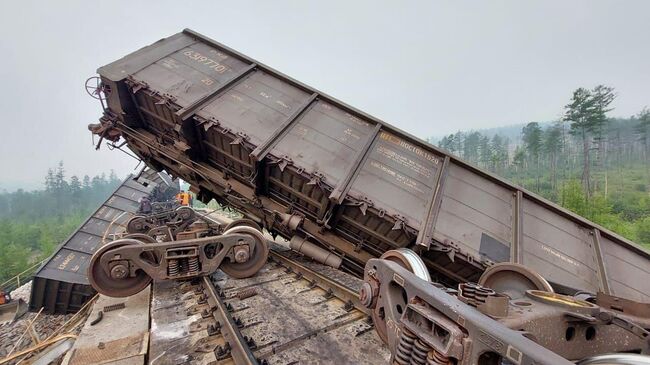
(372, 184)
(61, 284)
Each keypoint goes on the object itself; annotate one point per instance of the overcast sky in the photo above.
(428, 67)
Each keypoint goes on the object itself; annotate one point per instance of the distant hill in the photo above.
(512, 132)
(11, 186)
(551, 163)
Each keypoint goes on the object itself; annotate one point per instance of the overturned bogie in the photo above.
(124, 267)
(452, 325)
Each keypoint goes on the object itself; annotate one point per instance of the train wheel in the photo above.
(185, 213)
(115, 282)
(143, 237)
(243, 222)
(513, 280)
(257, 255)
(138, 224)
(409, 260)
(413, 263)
(616, 359)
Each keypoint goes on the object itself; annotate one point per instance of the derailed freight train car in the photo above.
(61, 285)
(311, 168)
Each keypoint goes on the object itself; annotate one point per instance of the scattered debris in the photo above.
(114, 307)
(246, 293)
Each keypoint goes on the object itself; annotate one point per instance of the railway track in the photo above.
(294, 311)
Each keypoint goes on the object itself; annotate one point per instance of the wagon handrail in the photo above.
(25, 273)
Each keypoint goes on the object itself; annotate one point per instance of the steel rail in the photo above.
(240, 352)
(336, 289)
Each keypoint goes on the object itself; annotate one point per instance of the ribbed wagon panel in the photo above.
(252, 137)
(61, 284)
(476, 214)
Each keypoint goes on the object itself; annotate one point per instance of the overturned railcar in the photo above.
(60, 286)
(306, 165)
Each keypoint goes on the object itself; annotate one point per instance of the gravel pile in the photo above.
(45, 325)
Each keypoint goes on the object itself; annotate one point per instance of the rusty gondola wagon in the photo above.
(347, 189)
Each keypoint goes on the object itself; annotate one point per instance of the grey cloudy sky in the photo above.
(429, 67)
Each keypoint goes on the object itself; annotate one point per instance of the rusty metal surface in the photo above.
(254, 138)
(61, 284)
(424, 323)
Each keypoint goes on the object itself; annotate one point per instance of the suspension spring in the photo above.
(172, 267)
(405, 347)
(420, 351)
(193, 265)
(436, 358)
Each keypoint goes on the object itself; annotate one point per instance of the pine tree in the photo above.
(532, 138)
(59, 178)
(86, 182)
(458, 143)
(470, 147)
(485, 153)
(579, 114)
(603, 96)
(75, 184)
(519, 159)
(587, 113)
(553, 147)
(444, 143)
(50, 181)
(498, 152)
(642, 130)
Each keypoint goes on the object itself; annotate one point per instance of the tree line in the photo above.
(595, 165)
(34, 223)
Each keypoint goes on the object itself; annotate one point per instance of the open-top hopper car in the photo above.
(346, 188)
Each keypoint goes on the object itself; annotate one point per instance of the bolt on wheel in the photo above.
(247, 263)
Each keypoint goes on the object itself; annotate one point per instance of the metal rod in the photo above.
(601, 269)
(425, 234)
(517, 228)
(33, 267)
(325, 257)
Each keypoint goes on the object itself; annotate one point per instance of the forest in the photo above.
(594, 165)
(33, 224)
